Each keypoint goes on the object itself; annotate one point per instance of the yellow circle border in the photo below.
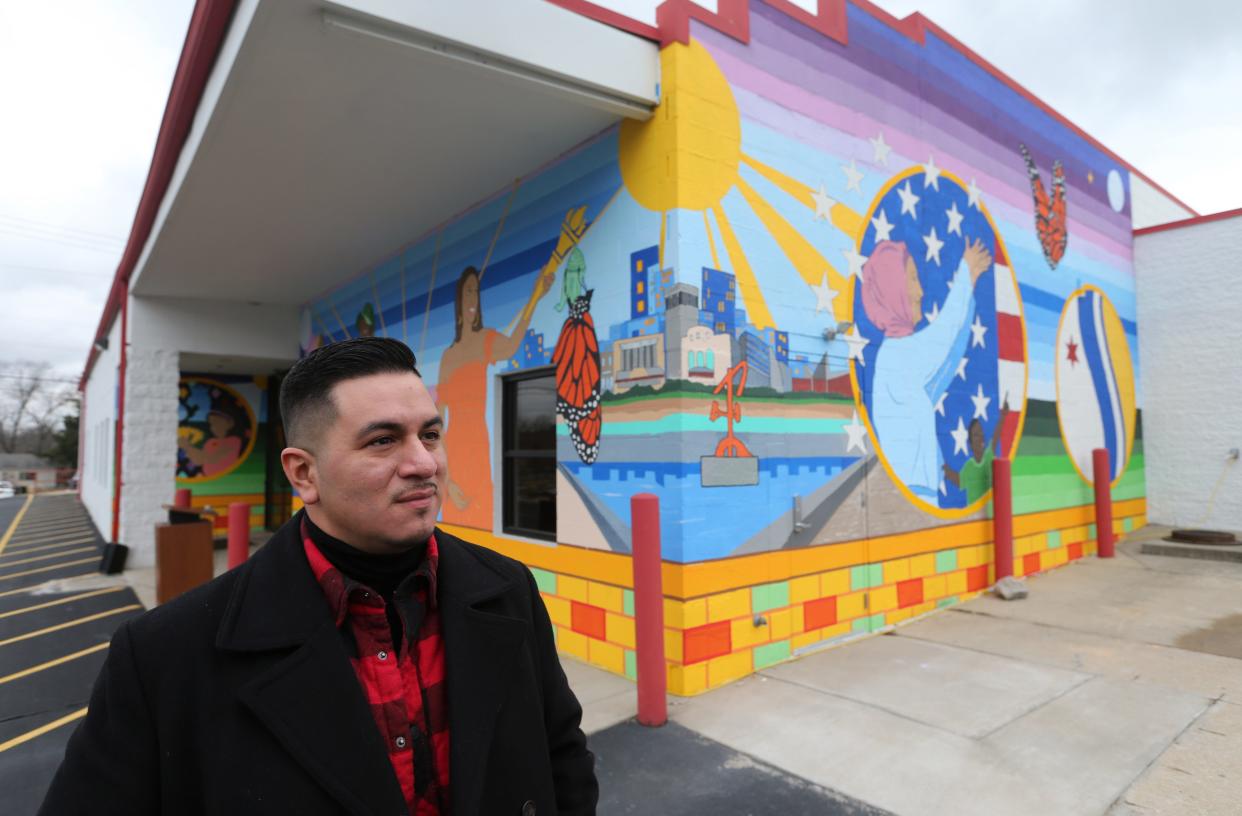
(254, 431)
(981, 502)
(1056, 371)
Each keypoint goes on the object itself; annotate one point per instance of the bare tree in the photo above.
(31, 406)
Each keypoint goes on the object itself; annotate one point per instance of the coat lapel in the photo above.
(308, 698)
(481, 646)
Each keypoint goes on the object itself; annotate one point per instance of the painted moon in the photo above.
(1116, 191)
(1095, 383)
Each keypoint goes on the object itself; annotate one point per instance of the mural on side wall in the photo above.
(845, 269)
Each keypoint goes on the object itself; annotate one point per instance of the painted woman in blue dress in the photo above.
(913, 369)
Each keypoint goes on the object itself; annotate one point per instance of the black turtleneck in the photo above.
(382, 573)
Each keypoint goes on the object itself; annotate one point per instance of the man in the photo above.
(362, 662)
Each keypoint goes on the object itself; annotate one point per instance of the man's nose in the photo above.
(417, 461)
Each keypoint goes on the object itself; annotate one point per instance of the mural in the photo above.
(845, 267)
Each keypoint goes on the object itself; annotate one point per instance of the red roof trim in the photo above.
(732, 17)
(1190, 222)
(203, 39)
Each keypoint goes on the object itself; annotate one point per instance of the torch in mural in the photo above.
(577, 362)
(733, 464)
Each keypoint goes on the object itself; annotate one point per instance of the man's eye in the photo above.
(379, 441)
(432, 436)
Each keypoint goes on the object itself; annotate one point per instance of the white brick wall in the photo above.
(149, 447)
(99, 433)
(1190, 346)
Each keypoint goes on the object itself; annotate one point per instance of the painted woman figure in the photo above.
(462, 388)
(913, 369)
(577, 362)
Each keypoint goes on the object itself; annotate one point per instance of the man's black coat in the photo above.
(239, 698)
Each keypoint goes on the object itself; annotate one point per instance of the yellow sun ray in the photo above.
(379, 309)
(711, 240)
(810, 264)
(747, 283)
(844, 218)
(431, 288)
(337, 315)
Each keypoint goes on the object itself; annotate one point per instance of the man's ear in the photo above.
(300, 470)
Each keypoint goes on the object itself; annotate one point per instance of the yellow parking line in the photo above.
(67, 624)
(46, 557)
(41, 730)
(59, 601)
(49, 664)
(31, 588)
(48, 568)
(41, 547)
(29, 537)
(4, 541)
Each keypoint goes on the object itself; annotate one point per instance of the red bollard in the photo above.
(1002, 516)
(648, 609)
(1103, 474)
(239, 533)
(182, 497)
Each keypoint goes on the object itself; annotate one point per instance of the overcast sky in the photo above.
(86, 82)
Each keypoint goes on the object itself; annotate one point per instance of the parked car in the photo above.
(6, 490)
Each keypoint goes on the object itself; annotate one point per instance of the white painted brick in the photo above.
(149, 445)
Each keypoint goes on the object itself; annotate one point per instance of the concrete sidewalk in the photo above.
(1116, 688)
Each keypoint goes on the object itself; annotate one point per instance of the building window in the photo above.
(529, 467)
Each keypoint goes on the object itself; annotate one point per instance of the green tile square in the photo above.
(771, 653)
(943, 602)
(769, 596)
(877, 575)
(876, 622)
(1054, 539)
(861, 625)
(946, 561)
(1127, 524)
(1091, 531)
(858, 578)
(546, 581)
(627, 602)
(631, 664)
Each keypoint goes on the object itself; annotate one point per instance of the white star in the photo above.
(856, 262)
(857, 433)
(955, 219)
(960, 435)
(940, 403)
(977, 330)
(932, 315)
(934, 245)
(823, 204)
(908, 200)
(961, 368)
(824, 295)
(931, 174)
(881, 149)
(853, 176)
(883, 229)
(972, 195)
(981, 404)
(856, 342)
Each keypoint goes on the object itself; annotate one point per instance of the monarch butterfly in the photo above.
(577, 378)
(1049, 212)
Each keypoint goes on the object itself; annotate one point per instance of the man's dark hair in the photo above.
(306, 404)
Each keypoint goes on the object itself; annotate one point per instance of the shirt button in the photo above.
(382, 655)
(400, 742)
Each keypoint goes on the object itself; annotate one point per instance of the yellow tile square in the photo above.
(923, 565)
(575, 589)
(805, 639)
(830, 632)
(895, 571)
(780, 623)
(558, 610)
(851, 606)
(619, 629)
(967, 557)
(832, 583)
(883, 599)
(803, 589)
(606, 655)
(796, 620)
(745, 633)
(607, 596)
(935, 586)
(897, 616)
(673, 642)
(687, 680)
(723, 669)
(956, 583)
(572, 643)
(728, 605)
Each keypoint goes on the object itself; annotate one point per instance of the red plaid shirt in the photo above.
(406, 692)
